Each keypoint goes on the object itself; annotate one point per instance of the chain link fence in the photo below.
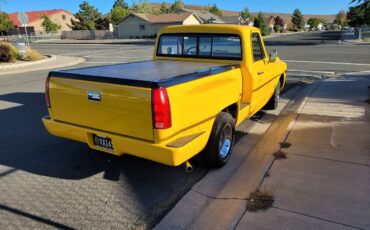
(89, 34)
(362, 32)
(31, 38)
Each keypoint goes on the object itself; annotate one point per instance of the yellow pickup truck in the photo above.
(202, 82)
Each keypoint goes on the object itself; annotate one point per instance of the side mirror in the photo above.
(273, 56)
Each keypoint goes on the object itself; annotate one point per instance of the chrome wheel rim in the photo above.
(225, 141)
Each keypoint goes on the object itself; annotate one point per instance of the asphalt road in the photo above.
(321, 51)
(313, 51)
(47, 181)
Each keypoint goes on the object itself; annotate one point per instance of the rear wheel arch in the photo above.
(232, 109)
(219, 147)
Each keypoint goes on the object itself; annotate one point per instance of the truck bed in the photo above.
(151, 74)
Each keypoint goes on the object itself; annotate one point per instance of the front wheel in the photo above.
(221, 141)
(273, 102)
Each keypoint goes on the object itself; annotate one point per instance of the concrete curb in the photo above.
(32, 63)
(283, 34)
(98, 42)
(218, 201)
(48, 65)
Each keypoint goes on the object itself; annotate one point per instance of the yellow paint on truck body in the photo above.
(126, 114)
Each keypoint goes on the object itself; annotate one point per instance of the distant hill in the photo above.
(286, 17)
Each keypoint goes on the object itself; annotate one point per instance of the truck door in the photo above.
(261, 91)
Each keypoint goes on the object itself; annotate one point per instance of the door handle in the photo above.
(260, 73)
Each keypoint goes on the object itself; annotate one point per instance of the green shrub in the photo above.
(265, 31)
(277, 28)
(8, 52)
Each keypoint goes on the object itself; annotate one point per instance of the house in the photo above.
(62, 17)
(205, 16)
(271, 23)
(281, 22)
(138, 25)
(306, 26)
(321, 26)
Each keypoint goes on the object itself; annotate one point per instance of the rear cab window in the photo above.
(212, 46)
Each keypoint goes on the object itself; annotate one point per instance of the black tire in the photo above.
(214, 155)
(272, 104)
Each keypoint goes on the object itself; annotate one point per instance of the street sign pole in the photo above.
(23, 18)
(27, 42)
(25, 29)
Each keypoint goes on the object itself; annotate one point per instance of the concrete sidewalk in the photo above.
(348, 37)
(323, 183)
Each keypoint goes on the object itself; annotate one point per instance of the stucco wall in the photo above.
(191, 21)
(130, 27)
(58, 18)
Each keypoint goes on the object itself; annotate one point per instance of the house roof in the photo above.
(230, 19)
(162, 18)
(205, 16)
(235, 20)
(34, 15)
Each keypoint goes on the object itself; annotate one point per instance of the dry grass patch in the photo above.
(258, 200)
(8, 52)
(33, 55)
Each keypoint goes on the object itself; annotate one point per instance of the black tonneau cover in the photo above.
(153, 74)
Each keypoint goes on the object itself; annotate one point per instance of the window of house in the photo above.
(64, 17)
(258, 52)
(142, 26)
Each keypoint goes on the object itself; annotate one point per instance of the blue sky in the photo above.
(280, 6)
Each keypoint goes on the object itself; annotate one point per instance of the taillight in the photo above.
(161, 109)
(47, 96)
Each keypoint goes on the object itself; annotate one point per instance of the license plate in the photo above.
(103, 142)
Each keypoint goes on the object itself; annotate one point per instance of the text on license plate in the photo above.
(103, 142)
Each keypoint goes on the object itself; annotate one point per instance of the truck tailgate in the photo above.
(115, 108)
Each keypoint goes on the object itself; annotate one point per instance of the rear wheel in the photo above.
(220, 144)
(274, 100)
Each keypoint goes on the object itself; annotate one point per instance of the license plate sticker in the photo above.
(103, 142)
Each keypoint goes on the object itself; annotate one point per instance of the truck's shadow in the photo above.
(26, 145)
(149, 188)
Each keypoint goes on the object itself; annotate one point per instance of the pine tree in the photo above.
(297, 19)
(215, 10)
(143, 6)
(177, 5)
(120, 3)
(117, 14)
(245, 14)
(260, 22)
(163, 9)
(86, 17)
